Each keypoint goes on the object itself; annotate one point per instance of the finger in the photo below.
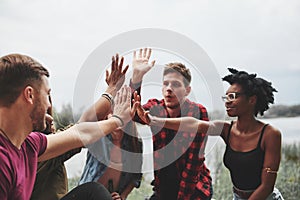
(122, 95)
(134, 55)
(125, 70)
(114, 194)
(121, 63)
(113, 64)
(149, 53)
(106, 76)
(134, 108)
(49, 118)
(141, 52)
(134, 96)
(145, 53)
(117, 59)
(128, 94)
(137, 97)
(148, 117)
(152, 63)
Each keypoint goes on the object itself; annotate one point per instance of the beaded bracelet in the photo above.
(116, 116)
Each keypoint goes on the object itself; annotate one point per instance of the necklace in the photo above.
(3, 132)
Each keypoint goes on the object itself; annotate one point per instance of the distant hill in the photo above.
(273, 112)
(283, 111)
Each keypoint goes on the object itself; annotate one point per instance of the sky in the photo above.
(257, 36)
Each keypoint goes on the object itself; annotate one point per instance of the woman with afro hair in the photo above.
(253, 148)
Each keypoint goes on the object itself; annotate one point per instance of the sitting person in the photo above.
(253, 148)
(115, 161)
(51, 180)
(24, 101)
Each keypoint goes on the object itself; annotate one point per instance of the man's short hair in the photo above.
(181, 69)
(16, 72)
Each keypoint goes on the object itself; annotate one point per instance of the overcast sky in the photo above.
(257, 36)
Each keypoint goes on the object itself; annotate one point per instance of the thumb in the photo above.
(134, 108)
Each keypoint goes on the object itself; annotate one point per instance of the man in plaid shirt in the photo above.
(180, 172)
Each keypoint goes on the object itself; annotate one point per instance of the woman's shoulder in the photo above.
(271, 135)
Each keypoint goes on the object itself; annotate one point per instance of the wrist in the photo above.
(109, 97)
(111, 90)
(137, 77)
(119, 120)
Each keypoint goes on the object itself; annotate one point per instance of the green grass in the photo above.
(288, 179)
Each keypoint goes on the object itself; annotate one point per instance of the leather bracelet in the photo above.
(122, 122)
(109, 97)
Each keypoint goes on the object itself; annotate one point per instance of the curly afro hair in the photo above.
(253, 85)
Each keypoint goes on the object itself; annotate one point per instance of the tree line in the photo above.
(66, 116)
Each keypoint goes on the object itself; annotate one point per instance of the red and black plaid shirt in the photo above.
(186, 149)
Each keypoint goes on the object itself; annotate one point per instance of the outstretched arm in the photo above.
(190, 124)
(115, 80)
(187, 124)
(88, 132)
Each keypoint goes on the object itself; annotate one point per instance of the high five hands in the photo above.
(116, 77)
(141, 65)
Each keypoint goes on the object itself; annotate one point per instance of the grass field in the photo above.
(288, 179)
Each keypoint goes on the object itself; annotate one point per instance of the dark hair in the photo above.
(181, 69)
(16, 72)
(253, 85)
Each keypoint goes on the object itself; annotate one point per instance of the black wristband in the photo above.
(109, 97)
(116, 116)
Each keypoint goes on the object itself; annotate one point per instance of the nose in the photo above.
(169, 87)
(227, 103)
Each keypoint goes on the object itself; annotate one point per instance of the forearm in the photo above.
(89, 132)
(187, 124)
(137, 76)
(262, 192)
(100, 109)
(77, 136)
(53, 163)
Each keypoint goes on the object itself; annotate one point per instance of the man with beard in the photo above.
(24, 100)
(180, 172)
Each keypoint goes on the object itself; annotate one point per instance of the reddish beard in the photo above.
(37, 116)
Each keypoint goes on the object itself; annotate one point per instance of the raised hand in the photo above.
(122, 106)
(137, 108)
(141, 64)
(116, 77)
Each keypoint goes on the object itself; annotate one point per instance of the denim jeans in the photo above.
(276, 195)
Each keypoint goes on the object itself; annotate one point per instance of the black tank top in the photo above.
(245, 167)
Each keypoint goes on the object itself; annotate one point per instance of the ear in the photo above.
(253, 99)
(188, 90)
(29, 93)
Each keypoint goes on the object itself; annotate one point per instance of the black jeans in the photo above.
(89, 191)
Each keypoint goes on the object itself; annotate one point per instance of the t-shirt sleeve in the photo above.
(6, 177)
(38, 142)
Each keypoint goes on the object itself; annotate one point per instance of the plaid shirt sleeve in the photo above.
(195, 174)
